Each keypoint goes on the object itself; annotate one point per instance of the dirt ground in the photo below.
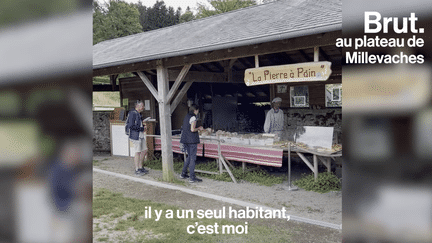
(322, 207)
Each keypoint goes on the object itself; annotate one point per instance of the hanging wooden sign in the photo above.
(308, 71)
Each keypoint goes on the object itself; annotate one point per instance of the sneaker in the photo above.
(185, 176)
(143, 170)
(139, 172)
(195, 180)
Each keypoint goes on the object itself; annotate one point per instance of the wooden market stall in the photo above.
(206, 55)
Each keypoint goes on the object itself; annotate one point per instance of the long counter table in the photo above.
(266, 155)
(259, 155)
(324, 157)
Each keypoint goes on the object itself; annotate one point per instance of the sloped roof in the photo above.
(277, 20)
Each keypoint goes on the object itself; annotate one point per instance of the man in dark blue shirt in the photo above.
(135, 129)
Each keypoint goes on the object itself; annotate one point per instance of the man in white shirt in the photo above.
(274, 122)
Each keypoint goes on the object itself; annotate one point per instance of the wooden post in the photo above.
(256, 61)
(272, 92)
(165, 123)
(113, 81)
(327, 162)
(316, 54)
(224, 162)
(153, 113)
(219, 157)
(121, 99)
(306, 161)
(315, 161)
(150, 140)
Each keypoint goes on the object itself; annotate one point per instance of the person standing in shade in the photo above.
(274, 122)
(135, 129)
(190, 139)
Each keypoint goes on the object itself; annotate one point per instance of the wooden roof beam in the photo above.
(323, 54)
(305, 56)
(149, 86)
(244, 62)
(219, 66)
(195, 76)
(205, 66)
(151, 72)
(278, 58)
(177, 82)
(303, 42)
(180, 96)
(104, 87)
(286, 57)
(232, 61)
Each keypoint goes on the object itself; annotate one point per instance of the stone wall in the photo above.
(101, 134)
(251, 120)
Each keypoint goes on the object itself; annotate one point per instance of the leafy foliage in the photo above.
(268, 1)
(187, 16)
(14, 12)
(115, 19)
(222, 6)
(101, 80)
(158, 16)
(326, 182)
(106, 79)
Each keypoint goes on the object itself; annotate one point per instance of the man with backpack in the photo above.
(135, 128)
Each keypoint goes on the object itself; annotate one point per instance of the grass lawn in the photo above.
(120, 219)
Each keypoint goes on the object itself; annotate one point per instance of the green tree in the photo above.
(116, 19)
(187, 16)
(158, 16)
(222, 6)
(14, 12)
(268, 1)
(99, 19)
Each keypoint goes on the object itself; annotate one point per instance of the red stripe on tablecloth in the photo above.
(261, 156)
(176, 146)
(254, 155)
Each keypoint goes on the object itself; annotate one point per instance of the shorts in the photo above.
(139, 145)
